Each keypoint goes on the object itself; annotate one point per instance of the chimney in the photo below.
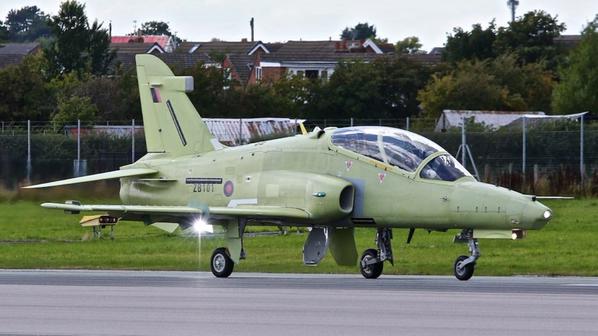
(244, 39)
(251, 25)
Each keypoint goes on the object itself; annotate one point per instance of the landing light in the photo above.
(200, 226)
(547, 214)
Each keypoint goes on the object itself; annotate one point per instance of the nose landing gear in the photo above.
(371, 263)
(465, 266)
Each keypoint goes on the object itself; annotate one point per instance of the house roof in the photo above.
(437, 51)
(10, 59)
(242, 63)
(426, 59)
(162, 40)
(125, 52)
(135, 48)
(18, 48)
(216, 46)
(309, 51)
(568, 41)
(184, 61)
(13, 53)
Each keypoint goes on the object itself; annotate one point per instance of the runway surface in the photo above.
(191, 303)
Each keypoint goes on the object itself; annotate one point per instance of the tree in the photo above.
(27, 24)
(100, 54)
(209, 84)
(155, 28)
(499, 84)
(23, 91)
(76, 46)
(361, 31)
(531, 38)
(72, 109)
(408, 45)
(467, 45)
(384, 88)
(3, 32)
(579, 82)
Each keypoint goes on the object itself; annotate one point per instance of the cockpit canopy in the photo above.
(401, 149)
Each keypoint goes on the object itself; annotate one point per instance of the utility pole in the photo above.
(251, 25)
(513, 4)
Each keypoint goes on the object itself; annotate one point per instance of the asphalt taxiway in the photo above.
(194, 303)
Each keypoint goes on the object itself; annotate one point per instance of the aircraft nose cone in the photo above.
(536, 215)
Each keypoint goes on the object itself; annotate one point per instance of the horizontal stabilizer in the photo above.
(97, 177)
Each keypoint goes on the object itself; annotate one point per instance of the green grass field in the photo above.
(33, 237)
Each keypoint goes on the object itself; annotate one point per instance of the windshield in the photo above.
(396, 147)
(407, 150)
(444, 168)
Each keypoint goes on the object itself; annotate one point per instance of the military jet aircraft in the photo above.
(331, 180)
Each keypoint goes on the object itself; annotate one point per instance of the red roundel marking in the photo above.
(229, 188)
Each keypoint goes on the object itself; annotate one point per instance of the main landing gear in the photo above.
(221, 264)
(465, 266)
(371, 263)
(223, 259)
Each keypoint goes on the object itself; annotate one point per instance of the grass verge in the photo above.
(33, 237)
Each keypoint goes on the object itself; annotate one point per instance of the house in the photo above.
(253, 62)
(312, 59)
(167, 43)
(567, 41)
(125, 52)
(13, 53)
(235, 56)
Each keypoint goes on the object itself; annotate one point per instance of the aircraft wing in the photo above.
(137, 212)
(97, 177)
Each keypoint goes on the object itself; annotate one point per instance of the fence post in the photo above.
(351, 121)
(407, 124)
(523, 152)
(463, 142)
(582, 172)
(240, 131)
(132, 140)
(78, 141)
(77, 163)
(28, 151)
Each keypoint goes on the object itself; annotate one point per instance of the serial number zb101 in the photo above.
(203, 187)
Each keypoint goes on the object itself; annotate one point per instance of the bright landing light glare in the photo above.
(547, 214)
(200, 226)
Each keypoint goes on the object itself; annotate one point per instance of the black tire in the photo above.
(372, 271)
(221, 264)
(466, 272)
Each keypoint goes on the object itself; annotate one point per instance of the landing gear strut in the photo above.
(465, 266)
(371, 263)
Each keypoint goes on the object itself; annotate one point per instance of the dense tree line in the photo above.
(517, 67)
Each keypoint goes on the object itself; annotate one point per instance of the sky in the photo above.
(279, 20)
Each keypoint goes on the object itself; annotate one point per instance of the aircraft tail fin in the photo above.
(171, 123)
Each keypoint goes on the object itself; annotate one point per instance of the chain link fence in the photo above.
(551, 162)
